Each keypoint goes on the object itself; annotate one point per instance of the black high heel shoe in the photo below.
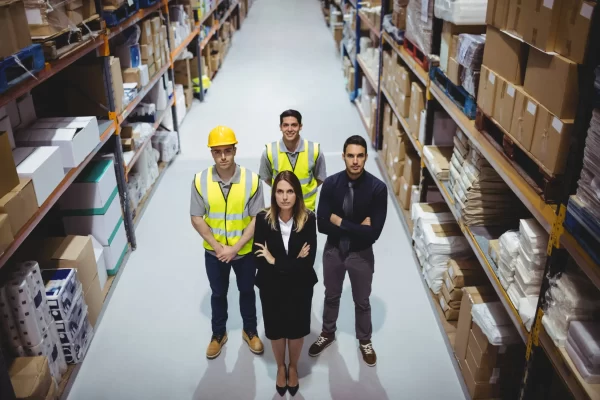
(281, 389)
(292, 389)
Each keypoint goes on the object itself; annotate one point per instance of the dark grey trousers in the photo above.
(360, 267)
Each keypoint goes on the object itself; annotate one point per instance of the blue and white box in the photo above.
(61, 287)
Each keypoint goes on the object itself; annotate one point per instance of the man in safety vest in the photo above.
(225, 200)
(292, 153)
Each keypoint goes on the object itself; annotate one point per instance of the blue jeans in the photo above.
(218, 276)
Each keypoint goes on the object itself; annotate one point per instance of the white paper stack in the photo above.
(462, 12)
(509, 250)
(571, 297)
(495, 323)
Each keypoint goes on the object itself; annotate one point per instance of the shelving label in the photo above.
(586, 11)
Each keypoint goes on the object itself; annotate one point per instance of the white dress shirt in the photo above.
(286, 231)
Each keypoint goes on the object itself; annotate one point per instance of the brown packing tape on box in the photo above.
(20, 204)
(487, 90)
(523, 120)
(552, 80)
(471, 295)
(30, 377)
(550, 143)
(6, 236)
(505, 55)
(497, 13)
(504, 103)
(542, 23)
(573, 29)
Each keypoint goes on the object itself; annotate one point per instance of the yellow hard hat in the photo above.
(221, 136)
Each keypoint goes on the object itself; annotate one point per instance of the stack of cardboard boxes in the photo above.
(489, 371)
(397, 81)
(46, 19)
(183, 76)
(532, 93)
(153, 45)
(460, 273)
(399, 14)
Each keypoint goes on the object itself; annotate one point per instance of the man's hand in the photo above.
(337, 221)
(367, 221)
(227, 254)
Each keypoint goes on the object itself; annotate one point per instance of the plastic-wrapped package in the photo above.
(584, 337)
(528, 276)
(167, 144)
(495, 323)
(527, 306)
(588, 190)
(469, 79)
(533, 232)
(469, 53)
(509, 245)
(419, 24)
(513, 294)
(555, 334)
(578, 357)
(462, 12)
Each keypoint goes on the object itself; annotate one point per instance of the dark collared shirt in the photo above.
(370, 200)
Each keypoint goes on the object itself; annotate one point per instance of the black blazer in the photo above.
(288, 269)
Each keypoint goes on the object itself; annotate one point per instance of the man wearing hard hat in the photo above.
(225, 200)
(292, 153)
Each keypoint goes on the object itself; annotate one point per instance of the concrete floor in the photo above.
(153, 335)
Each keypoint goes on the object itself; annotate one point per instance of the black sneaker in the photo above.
(321, 344)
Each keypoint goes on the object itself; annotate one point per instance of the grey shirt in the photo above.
(198, 204)
(266, 173)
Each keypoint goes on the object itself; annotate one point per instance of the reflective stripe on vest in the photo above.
(305, 164)
(227, 217)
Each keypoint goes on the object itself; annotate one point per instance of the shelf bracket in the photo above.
(557, 230)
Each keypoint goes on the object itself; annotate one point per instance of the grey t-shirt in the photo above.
(198, 205)
(266, 173)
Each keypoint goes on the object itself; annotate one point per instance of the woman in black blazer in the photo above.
(285, 245)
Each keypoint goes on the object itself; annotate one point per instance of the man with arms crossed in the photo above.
(224, 204)
(352, 211)
(292, 153)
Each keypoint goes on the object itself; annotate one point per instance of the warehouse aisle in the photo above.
(152, 339)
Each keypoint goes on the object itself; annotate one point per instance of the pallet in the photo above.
(419, 57)
(545, 184)
(583, 234)
(114, 16)
(147, 3)
(13, 73)
(457, 94)
(62, 43)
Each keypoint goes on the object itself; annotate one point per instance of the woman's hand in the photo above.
(264, 252)
(304, 252)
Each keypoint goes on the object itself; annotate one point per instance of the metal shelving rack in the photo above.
(110, 128)
(562, 244)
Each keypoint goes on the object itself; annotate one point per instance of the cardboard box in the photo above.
(497, 13)
(450, 313)
(132, 75)
(478, 390)
(487, 90)
(505, 55)
(412, 168)
(43, 165)
(504, 103)
(75, 252)
(155, 24)
(451, 294)
(550, 143)
(146, 33)
(94, 300)
(552, 80)
(403, 105)
(542, 23)
(147, 53)
(517, 17)
(30, 377)
(454, 71)
(182, 73)
(417, 103)
(102, 226)
(115, 251)
(151, 70)
(6, 126)
(14, 28)
(93, 190)
(9, 178)
(6, 235)
(100, 262)
(404, 82)
(20, 204)
(524, 117)
(404, 194)
(471, 295)
(76, 137)
(463, 273)
(449, 30)
(573, 29)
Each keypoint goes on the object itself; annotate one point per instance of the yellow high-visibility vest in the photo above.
(303, 169)
(227, 217)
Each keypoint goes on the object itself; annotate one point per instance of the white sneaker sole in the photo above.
(322, 350)
(217, 355)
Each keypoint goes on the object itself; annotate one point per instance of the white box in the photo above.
(7, 127)
(43, 165)
(76, 137)
(100, 262)
(7, 323)
(101, 227)
(93, 190)
(144, 75)
(68, 329)
(61, 288)
(60, 356)
(74, 352)
(30, 271)
(26, 110)
(31, 324)
(115, 251)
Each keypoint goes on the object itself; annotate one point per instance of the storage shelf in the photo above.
(362, 116)
(184, 44)
(481, 256)
(404, 214)
(367, 72)
(567, 370)
(142, 93)
(210, 12)
(408, 60)
(139, 211)
(107, 128)
(157, 123)
(368, 23)
(581, 257)
(227, 14)
(208, 37)
(542, 212)
(134, 19)
(416, 144)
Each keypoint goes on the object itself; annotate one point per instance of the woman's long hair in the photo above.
(299, 211)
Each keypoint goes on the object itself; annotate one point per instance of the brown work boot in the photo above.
(216, 344)
(369, 356)
(323, 341)
(254, 342)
